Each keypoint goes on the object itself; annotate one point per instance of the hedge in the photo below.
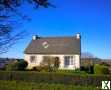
(101, 69)
(21, 85)
(55, 78)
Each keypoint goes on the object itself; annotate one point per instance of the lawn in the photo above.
(21, 85)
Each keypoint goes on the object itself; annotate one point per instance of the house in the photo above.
(66, 49)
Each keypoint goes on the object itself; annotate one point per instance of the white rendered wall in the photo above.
(39, 59)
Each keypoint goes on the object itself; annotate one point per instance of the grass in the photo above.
(21, 85)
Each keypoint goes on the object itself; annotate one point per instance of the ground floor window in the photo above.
(32, 59)
(68, 60)
(71, 60)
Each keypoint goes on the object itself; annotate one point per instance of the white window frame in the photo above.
(66, 61)
(71, 60)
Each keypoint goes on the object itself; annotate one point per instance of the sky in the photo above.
(90, 18)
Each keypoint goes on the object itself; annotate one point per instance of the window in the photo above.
(68, 60)
(71, 60)
(32, 59)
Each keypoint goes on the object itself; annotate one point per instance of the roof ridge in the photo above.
(52, 37)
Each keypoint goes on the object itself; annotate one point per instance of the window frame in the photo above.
(71, 60)
(68, 60)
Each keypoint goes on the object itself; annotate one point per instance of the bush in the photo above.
(19, 65)
(22, 65)
(37, 68)
(11, 66)
(87, 69)
(47, 68)
(101, 69)
(44, 68)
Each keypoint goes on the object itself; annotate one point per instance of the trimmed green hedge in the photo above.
(56, 78)
(101, 69)
(21, 85)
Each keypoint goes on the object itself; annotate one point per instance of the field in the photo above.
(21, 85)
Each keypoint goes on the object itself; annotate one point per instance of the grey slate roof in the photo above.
(54, 45)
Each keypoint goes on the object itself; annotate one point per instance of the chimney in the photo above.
(35, 37)
(78, 36)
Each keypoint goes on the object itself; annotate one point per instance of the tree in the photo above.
(22, 65)
(87, 62)
(87, 55)
(8, 10)
(9, 7)
(6, 39)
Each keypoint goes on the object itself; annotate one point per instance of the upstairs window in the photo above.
(32, 59)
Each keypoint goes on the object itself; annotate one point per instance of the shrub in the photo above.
(19, 65)
(44, 68)
(101, 69)
(47, 68)
(11, 66)
(36, 68)
(87, 69)
(22, 65)
(105, 64)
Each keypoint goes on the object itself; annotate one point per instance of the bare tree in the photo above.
(9, 9)
(6, 39)
(87, 55)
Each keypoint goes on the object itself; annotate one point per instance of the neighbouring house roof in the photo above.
(54, 45)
